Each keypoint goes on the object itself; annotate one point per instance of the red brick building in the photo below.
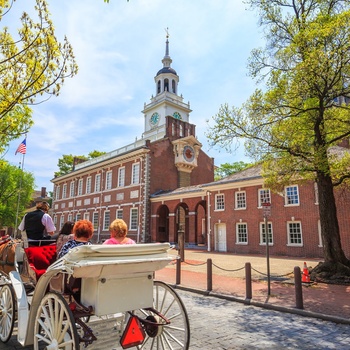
(229, 215)
(119, 184)
(163, 185)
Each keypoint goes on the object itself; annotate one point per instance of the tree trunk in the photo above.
(333, 252)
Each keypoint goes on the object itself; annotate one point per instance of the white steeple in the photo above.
(166, 102)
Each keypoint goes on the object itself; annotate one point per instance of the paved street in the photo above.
(221, 324)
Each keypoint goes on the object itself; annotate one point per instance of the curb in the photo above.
(290, 310)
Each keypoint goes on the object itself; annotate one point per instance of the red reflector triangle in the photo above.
(133, 334)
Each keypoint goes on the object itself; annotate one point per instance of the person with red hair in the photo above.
(82, 233)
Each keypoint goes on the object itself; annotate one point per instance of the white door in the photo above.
(220, 238)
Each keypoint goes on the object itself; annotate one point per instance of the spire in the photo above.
(167, 60)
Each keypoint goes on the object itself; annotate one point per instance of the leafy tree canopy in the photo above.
(14, 183)
(33, 67)
(67, 161)
(295, 122)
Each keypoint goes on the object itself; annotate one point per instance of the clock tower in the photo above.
(166, 101)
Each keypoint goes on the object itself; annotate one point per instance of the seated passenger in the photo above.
(82, 231)
(65, 235)
(118, 230)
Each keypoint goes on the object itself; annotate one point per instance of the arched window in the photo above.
(166, 84)
(158, 87)
(173, 85)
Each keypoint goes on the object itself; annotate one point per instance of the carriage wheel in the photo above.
(175, 335)
(7, 312)
(55, 326)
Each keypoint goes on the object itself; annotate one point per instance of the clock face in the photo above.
(188, 153)
(154, 119)
(177, 115)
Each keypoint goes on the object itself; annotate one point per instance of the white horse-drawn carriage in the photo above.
(97, 296)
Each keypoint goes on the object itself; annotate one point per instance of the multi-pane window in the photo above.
(61, 221)
(263, 233)
(64, 191)
(88, 185)
(71, 189)
(264, 196)
(242, 233)
(86, 216)
(294, 233)
(58, 192)
(121, 177)
(78, 217)
(95, 220)
(133, 219)
(291, 195)
(55, 220)
(106, 220)
(135, 177)
(80, 187)
(109, 180)
(97, 182)
(219, 202)
(119, 214)
(240, 200)
(70, 217)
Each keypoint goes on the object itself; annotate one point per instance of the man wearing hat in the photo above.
(38, 224)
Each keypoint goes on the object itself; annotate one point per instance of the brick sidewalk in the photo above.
(318, 298)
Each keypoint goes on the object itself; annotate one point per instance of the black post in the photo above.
(298, 288)
(248, 281)
(178, 271)
(209, 275)
(181, 242)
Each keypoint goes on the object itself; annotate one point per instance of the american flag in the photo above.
(22, 148)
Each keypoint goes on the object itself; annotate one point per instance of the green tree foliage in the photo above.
(227, 169)
(67, 162)
(33, 67)
(296, 121)
(14, 183)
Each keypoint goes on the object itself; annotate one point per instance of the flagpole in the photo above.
(19, 193)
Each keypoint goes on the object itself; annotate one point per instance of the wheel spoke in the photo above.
(7, 312)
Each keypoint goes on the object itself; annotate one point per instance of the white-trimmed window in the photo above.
(106, 220)
(86, 216)
(97, 182)
(88, 184)
(70, 217)
(119, 214)
(95, 220)
(55, 220)
(240, 200)
(64, 191)
(219, 201)
(241, 233)
(133, 219)
(109, 180)
(80, 187)
(61, 221)
(264, 196)
(263, 233)
(292, 195)
(316, 193)
(320, 241)
(135, 176)
(78, 217)
(71, 189)
(121, 177)
(57, 192)
(295, 237)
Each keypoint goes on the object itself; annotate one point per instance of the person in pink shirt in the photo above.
(118, 230)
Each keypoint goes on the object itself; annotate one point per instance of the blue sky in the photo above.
(119, 47)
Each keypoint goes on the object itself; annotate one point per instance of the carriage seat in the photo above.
(40, 258)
